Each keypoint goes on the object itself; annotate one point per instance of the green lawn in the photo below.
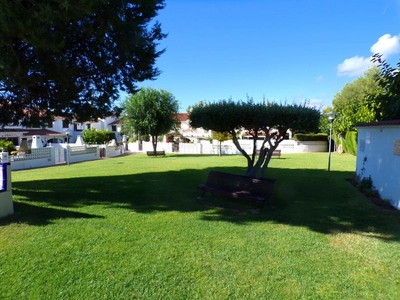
(132, 228)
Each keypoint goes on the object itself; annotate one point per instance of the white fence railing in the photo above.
(69, 153)
(205, 147)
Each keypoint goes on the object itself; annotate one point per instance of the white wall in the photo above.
(379, 146)
(6, 202)
(204, 147)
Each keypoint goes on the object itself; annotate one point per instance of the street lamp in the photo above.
(331, 117)
(67, 133)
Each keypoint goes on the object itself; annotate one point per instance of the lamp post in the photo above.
(67, 133)
(331, 117)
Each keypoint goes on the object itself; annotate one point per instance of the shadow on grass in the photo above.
(39, 215)
(321, 201)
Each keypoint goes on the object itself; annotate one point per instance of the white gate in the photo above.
(60, 155)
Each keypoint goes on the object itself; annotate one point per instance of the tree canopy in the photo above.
(266, 120)
(388, 102)
(70, 58)
(150, 112)
(358, 102)
(221, 137)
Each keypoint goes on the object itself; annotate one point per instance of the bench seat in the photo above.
(276, 152)
(157, 153)
(238, 186)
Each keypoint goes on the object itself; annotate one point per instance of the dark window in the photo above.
(65, 123)
(113, 128)
(88, 125)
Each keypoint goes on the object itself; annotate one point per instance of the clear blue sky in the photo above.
(283, 50)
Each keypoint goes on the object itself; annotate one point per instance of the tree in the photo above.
(150, 112)
(267, 120)
(357, 102)
(71, 58)
(388, 102)
(221, 137)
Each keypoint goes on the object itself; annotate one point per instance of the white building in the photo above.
(56, 132)
(378, 157)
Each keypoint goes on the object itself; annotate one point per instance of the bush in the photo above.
(97, 137)
(350, 142)
(7, 145)
(323, 137)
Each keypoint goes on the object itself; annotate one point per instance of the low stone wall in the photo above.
(37, 158)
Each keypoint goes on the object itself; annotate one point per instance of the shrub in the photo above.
(311, 137)
(97, 137)
(350, 142)
(7, 145)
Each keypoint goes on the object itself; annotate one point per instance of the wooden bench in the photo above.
(238, 186)
(275, 153)
(157, 153)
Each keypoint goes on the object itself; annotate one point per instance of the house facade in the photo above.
(57, 131)
(378, 157)
(193, 134)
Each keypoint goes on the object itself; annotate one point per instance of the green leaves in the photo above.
(358, 101)
(271, 118)
(94, 136)
(64, 58)
(387, 106)
(227, 115)
(150, 112)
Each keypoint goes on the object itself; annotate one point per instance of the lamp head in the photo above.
(331, 116)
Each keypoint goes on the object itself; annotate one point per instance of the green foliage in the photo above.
(388, 102)
(97, 137)
(271, 118)
(221, 136)
(311, 137)
(356, 101)
(7, 145)
(365, 185)
(324, 124)
(350, 142)
(150, 112)
(227, 115)
(71, 58)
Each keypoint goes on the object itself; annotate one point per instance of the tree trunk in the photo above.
(154, 142)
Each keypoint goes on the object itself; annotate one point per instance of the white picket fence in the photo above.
(61, 154)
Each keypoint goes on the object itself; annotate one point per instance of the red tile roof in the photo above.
(29, 132)
(182, 117)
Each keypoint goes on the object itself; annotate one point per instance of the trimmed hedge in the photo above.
(323, 137)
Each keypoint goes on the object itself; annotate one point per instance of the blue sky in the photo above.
(280, 50)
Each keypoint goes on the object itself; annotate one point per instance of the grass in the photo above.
(131, 228)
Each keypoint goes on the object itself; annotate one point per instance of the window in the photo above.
(78, 126)
(65, 123)
(113, 128)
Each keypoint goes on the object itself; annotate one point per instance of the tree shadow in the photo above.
(319, 200)
(39, 216)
